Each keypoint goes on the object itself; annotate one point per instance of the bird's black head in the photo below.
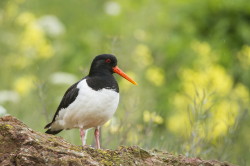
(106, 65)
(103, 64)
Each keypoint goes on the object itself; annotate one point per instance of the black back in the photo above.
(68, 98)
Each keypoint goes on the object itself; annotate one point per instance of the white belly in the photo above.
(90, 109)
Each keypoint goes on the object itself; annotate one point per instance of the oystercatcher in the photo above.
(90, 102)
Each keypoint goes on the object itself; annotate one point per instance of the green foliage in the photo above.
(191, 60)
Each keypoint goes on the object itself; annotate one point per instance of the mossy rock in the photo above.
(20, 145)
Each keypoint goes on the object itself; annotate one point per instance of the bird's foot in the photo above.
(86, 147)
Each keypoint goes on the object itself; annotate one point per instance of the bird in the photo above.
(90, 102)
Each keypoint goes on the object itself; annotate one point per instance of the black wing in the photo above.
(68, 98)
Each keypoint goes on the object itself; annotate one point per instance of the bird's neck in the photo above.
(98, 81)
(100, 72)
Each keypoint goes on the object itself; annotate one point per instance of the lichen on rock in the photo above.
(20, 145)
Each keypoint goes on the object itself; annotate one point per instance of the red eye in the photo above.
(107, 60)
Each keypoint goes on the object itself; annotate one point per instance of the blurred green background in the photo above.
(191, 59)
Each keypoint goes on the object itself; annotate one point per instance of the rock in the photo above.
(20, 145)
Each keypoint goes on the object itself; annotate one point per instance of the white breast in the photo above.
(90, 109)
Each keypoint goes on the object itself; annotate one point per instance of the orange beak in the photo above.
(117, 70)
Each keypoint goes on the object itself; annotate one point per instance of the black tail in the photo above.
(50, 131)
(48, 125)
(53, 131)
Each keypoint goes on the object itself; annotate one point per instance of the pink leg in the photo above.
(97, 135)
(82, 133)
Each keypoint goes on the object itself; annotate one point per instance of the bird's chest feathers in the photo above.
(100, 100)
(91, 108)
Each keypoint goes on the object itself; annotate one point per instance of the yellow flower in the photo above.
(155, 75)
(244, 57)
(202, 49)
(208, 93)
(241, 92)
(213, 79)
(220, 129)
(24, 85)
(142, 55)
(114, 129)
(179, 124)
(133, 137)
(204, 53)
(152, 117)
(158, 119)
(179, 100)
(220, 82)
(33, 42)
(12, 8)
(231, 110)
(224, 116)
(146, 116)
(25, 18)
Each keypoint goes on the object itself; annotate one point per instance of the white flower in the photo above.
(112, 8)
(51, 25)
(7, 95)
(2, 111)
(63, 78)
